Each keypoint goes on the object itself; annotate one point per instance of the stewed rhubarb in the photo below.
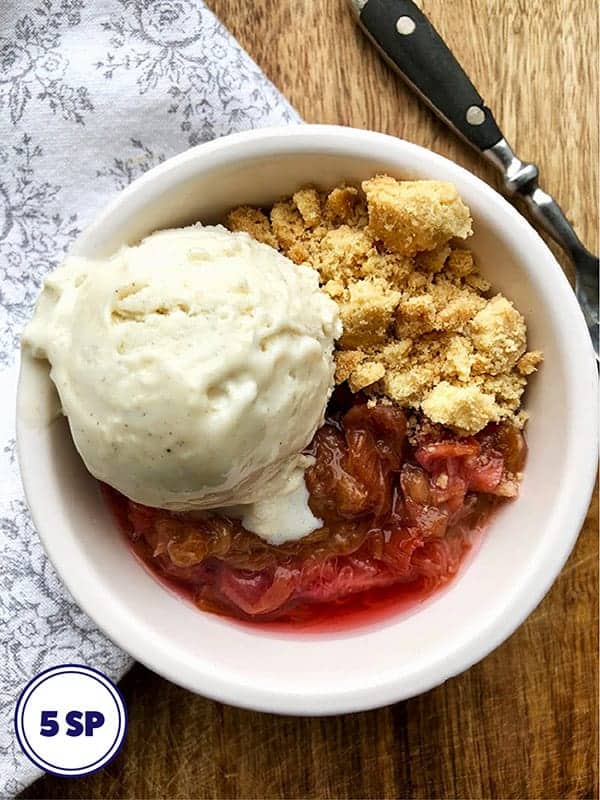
(402, 501)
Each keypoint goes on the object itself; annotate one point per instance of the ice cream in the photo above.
(193, 369)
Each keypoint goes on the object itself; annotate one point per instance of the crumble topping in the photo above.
(418, 325)
(415, 216)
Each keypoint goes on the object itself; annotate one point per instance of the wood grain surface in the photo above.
(523, 723)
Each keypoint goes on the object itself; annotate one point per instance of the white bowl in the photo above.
(523, 551)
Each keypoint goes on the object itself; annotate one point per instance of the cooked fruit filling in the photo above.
(401, 501)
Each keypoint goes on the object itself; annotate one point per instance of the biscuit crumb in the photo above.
(340, 253)
(461, 263)
(253, 222)
(367, 313)
(499, 336)
(334, 289)
(365, 374)
(529, 362)
(395, 269)
(298, 253)
(308, 204)
(344, 205)
(288, 226)
(415, 315)
(466, 408)
(412, 216)
(478, 282)
(434, 260)
(346, 363)
(419, 328)
(459, 358)
(506, 388)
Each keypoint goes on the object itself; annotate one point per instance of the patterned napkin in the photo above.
(92, 94)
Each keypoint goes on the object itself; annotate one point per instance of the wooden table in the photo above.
(521, 724)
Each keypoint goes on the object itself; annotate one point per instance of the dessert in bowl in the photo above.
(396, 476)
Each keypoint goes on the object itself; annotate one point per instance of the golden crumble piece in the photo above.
(340, 253)
(367, 313)
(412, 216)
(407, 386)
(309, 205)
(459, 358)
(253, 222)
(334, 289)
(507, 388)
(366, 374)
(395, 352)
(520, 419)
(466, 408)
(415, 315)
(346, 362)
(408, 379)
(417, 283)
(499, 334)
(443, 307)
(434, 260)
(460, 263)
(287, 225)
(393, 268)
(378, 401)
(478, 282)
(529, 362)
(457, 309)
(298, 253)
(345, 205)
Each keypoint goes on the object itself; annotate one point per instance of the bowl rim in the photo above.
(119, 624)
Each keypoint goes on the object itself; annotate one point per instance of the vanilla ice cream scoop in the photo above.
(193, 368)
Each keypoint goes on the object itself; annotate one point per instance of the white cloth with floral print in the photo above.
(92, 93)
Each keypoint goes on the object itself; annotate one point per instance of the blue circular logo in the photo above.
(71, 720)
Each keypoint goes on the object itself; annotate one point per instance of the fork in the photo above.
(410, 44)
